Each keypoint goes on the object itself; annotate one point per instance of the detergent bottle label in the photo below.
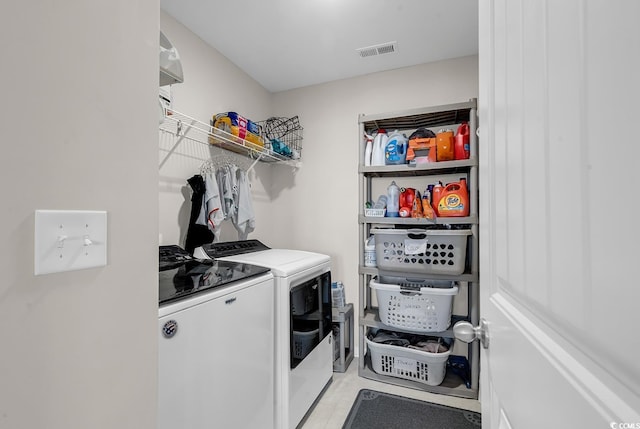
(396, 149)
(450, 204)
(453, 204)
(394, 153)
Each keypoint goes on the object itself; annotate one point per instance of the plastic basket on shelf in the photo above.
(283, 136)
(421, 251)
(415, 306)
(375, 212)
(304, 342)
(407, 363)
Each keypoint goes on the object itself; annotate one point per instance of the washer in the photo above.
(216, 343)
(301, 373)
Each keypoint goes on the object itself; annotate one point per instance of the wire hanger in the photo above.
(223, 159)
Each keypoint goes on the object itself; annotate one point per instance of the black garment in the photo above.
(197, 235)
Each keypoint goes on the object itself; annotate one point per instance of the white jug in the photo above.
(379, 145)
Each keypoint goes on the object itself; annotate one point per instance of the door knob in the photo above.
(465, 331)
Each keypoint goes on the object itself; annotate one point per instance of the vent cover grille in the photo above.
(383, 48)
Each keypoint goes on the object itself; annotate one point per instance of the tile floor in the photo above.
(332, 408)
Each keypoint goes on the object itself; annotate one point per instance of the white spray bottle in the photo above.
(368, 150)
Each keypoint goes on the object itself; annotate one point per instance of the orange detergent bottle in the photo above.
(444, 145)
(454, 200)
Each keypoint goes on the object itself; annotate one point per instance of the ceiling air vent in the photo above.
(383, 48)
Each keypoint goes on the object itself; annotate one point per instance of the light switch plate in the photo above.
(68, 240)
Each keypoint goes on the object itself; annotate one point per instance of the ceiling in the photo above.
(286, 44)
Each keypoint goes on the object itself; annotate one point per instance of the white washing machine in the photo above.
(304, 350)
(215, 345)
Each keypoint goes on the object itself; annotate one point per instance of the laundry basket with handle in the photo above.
(409, 364)
(422, 251)
(413, 304)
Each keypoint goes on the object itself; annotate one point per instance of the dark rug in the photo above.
(373, 409)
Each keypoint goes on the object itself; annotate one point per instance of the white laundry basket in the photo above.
(415, 306)
(422, 251)
(409, 364)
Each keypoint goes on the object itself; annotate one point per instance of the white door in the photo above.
(559, 116)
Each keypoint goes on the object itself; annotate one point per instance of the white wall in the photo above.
(323, 202)
(79, 121)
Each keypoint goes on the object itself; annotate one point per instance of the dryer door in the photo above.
(310, 306)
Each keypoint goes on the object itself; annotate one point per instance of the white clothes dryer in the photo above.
(303, 348)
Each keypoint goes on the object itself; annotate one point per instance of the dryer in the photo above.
(304, 350)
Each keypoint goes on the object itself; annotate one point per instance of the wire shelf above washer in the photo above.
(186, 127)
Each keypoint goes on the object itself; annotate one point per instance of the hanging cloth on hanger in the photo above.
(197, 233)
(223, 174)
(245, 218)
(212, 205)
(233, 184)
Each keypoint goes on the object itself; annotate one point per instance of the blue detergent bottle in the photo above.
(396, 149)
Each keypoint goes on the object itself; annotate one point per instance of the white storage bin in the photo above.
(410, 364)
(304, 342)
(421, 251)
(415, 306)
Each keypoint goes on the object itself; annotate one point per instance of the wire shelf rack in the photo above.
(185, 127)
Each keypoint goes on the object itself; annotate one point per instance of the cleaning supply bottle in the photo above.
(444, 145)
(381, 203)
(429, 192)
(393, 198)
(427, 209)
(406, 198)
(416, 209)
(379, 144)
(368, 150)
(396, 149)
(454, 200)
(461, 142)
(370, 251)
(337, 294)
(435, 197)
